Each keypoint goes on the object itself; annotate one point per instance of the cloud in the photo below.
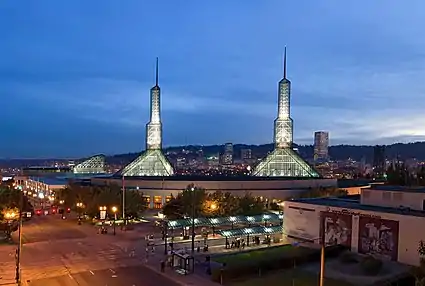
(357, 75)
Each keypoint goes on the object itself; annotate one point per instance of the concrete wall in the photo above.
(303, 221)
(395, 199)
(276, 189)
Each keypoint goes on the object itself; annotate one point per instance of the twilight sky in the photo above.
(75, 74)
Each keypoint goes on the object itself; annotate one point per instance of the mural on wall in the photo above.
(336, 228)
(378, 237)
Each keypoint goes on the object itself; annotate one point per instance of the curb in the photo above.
(164, 274)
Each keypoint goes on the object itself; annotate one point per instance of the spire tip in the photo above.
(284, 64)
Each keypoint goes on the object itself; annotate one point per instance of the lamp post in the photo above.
(193, 219)
(19, 250)
(79, 207)
(114, 211)
(62, 210)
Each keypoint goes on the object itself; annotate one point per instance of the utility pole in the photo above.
(193, 220)
(19, 250)
(322, 252)
(123, 203)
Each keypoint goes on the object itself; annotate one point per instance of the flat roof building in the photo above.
(386, 221)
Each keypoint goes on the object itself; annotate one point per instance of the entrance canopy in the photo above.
(229, 220)
(258, 230)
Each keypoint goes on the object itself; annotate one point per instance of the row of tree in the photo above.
(195, 200)
(93, 197)
(400, 175)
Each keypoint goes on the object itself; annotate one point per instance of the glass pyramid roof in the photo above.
(284, 162)
(149, 163)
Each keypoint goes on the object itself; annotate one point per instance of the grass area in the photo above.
(294, 277)
(263, 254)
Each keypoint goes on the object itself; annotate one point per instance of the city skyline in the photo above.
(79, 87)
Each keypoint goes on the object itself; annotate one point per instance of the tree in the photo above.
(173, 209)
(94, 197)
(421, 176)
(221, 204)
(274, 206)
(249, 205)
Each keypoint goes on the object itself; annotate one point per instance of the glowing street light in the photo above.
(114, 210)
(213, 206)
(79, 206)
(10, 215)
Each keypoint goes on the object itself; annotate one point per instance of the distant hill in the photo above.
(337, 152)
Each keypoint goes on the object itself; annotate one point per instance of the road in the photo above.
(51, 227)
(128, 276)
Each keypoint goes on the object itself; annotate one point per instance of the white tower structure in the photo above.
(283, 161)
(152, 162)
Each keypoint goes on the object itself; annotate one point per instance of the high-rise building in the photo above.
(152, 162)
(283, 161)
(379, 161)
(228, 154)
(321, 146)
(246, 154)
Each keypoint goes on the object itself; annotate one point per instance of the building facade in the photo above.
(227, 158)
(321, 146)
(382, 230)
(379, 161)
(158, 191)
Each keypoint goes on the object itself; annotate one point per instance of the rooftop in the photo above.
(210, 178)
(350, 183)
(411, 189)
(48, 168)
(354, 203)
(51, 181)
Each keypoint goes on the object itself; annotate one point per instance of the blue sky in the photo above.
(75, 75)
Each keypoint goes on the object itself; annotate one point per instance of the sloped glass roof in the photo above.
(150, 163)
(284, 162)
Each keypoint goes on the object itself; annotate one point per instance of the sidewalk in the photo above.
(154, 263)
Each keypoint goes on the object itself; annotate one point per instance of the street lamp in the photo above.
(19, 250)
(79, 207)
(213, 206)
(114, 211)
(10, 215)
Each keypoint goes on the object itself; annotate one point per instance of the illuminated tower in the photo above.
(283, 161)
(283, 130)
(152, 162)
(154, 126)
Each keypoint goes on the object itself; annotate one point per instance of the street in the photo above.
(61, 252)
(131, 276)
(51, 227)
